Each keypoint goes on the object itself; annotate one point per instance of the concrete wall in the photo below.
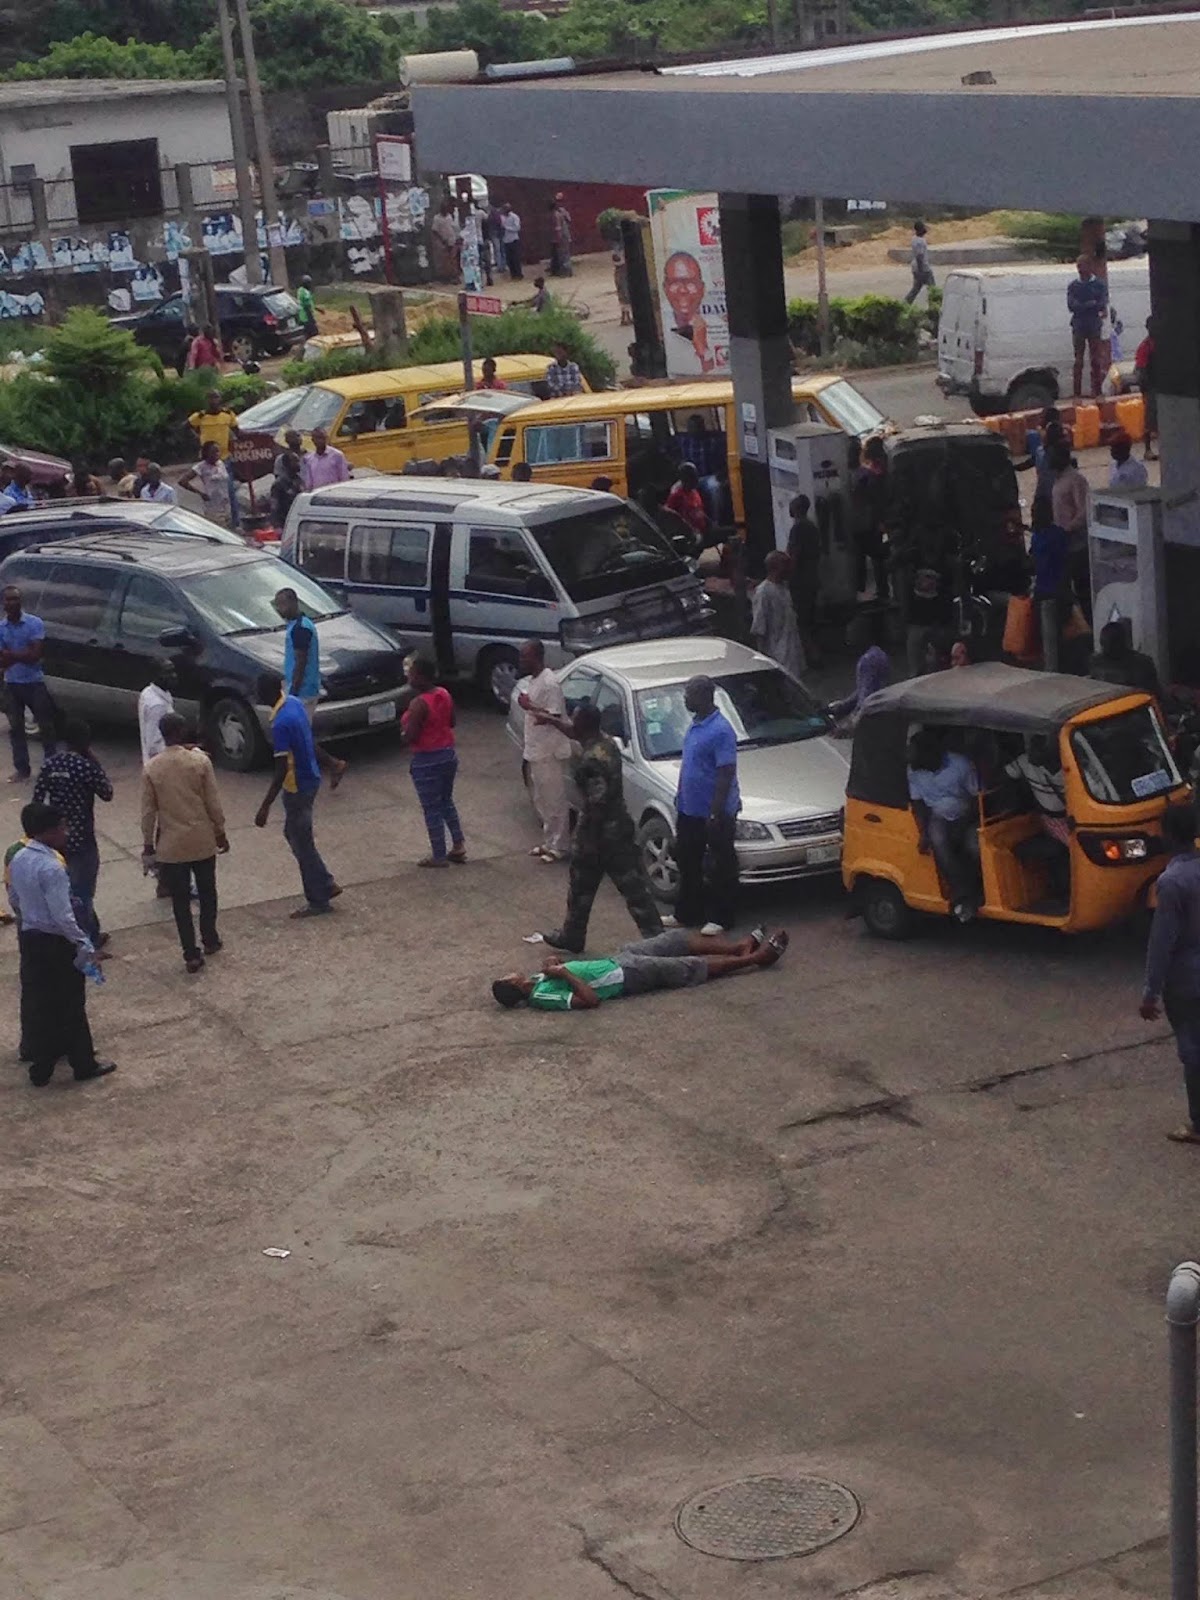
(189, 127)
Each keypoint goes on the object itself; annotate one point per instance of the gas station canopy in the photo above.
(1100, 115)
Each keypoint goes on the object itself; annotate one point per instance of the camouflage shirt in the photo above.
(599, 777)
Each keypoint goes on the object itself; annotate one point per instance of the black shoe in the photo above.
(211, 949)
(193, 963)
(39, 1080)
(98, 1069)
(556, 942)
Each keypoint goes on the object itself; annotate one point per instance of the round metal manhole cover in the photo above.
(762, 1519)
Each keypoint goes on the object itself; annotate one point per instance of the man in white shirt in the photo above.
(510, 224)
(1125, 472)
(155, 489)
(546, 750)
(155, 700)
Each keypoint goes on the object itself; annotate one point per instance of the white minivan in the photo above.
(1004, 335)
(467, 568)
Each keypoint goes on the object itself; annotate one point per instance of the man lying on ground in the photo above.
(675, 960)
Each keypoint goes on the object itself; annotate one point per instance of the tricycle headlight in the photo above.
(747, 831)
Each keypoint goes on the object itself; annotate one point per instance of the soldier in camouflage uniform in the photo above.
(604, 839)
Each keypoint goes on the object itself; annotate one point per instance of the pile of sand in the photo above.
(873, 252)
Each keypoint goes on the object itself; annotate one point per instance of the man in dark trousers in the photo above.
(1173, 957)
(183, 831)
(604, 839)
(54, 953)
(706, 805)
(72, 780)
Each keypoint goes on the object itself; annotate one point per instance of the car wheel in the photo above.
(884, 910)
(1031, 395)
(237, 739)
(498, 672)
(656, 846)
(243, 347)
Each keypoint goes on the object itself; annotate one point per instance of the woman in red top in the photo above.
(428, 727)
(686, 501)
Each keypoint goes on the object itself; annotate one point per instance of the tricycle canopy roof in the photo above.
(992, 695)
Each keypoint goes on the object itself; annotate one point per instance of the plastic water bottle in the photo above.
(93, 973)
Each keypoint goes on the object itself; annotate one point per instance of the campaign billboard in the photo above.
(690, 274)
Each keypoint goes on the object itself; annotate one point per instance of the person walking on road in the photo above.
(1087, 302)
(922, 272)
(773, 624)
(154, 702)
(510, 233)
(55, 951)
(183, 831)
(547, 750)
(302, 671)
(1172, 980)
(706, 805)
(308, 307)
(323, 464)
(428, 730)
(71, 781)
(605, 843)
(204, 351)
(298, 775)
(22, 638)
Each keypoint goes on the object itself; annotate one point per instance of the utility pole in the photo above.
(773, 22)
(237, 136)
(822, 283)
(262, 140)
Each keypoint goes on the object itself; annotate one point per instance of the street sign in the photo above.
(252, 455)
(482, 305)
(393, 158)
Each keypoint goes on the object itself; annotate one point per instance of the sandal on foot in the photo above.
(758, 936)
(459, 856)
(779, 943)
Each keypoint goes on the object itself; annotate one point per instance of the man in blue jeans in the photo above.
(298, 775)
(706, 806)
(22, 637)
(1173, 957)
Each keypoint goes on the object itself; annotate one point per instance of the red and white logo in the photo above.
(708, 225)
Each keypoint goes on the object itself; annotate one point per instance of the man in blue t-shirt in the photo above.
(298, 775)
(302, 669)
(706, 804)
(22, 638)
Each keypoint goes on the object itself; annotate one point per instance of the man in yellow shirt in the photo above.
(216, 424)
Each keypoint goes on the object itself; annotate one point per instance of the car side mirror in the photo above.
(177, 639)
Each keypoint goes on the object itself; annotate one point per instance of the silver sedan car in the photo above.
(791, 773)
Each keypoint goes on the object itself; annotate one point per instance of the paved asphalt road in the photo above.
(898, 1214)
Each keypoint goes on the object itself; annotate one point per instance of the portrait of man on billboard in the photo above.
(683, 289)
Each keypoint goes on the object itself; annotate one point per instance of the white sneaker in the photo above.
(710, 930)
(669, 921)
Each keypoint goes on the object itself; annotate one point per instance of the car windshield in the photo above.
(764, 707)
(274, 411)
(605, 551)
(238, 600)
(1125, 759)
(175, 520)
(280, 304)
(850, 409)
(319, 409)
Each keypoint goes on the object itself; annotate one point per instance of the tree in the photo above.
(85, 351)
(90, 56)
(306, 43)
(496, 35)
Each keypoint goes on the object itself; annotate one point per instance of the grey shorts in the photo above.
(661, 963)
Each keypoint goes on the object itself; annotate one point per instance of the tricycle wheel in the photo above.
(884, 910)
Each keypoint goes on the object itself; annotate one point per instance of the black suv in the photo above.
(57, 519)
(254, 322)
(113, 603)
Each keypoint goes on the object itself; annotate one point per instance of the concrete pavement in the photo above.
(899, 1215)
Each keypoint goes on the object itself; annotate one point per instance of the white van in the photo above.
(1004, 336)
(465, 569)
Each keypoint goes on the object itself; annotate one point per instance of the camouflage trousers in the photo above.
(616, 857)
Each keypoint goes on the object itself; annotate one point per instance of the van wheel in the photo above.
(1032, 394)
(884, 910)
(237, 739)
(498, 673)
(656, 846)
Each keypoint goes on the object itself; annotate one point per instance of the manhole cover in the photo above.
(761, 1519)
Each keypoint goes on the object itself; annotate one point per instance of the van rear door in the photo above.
(961, 331)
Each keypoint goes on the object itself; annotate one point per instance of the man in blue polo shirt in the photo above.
(707, 803)
(22, 637)
(302, 670)
(298, 775)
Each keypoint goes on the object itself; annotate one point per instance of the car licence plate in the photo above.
(382, 713)
(821, 853)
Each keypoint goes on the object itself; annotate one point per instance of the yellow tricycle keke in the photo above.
(1118, 776)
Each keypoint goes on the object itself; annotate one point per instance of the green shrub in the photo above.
(86, 350)
(873, 322)
(68, 419)
(518, 331)
(21, 335)
(1056, 231)
(608, 223)
(241, 390)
